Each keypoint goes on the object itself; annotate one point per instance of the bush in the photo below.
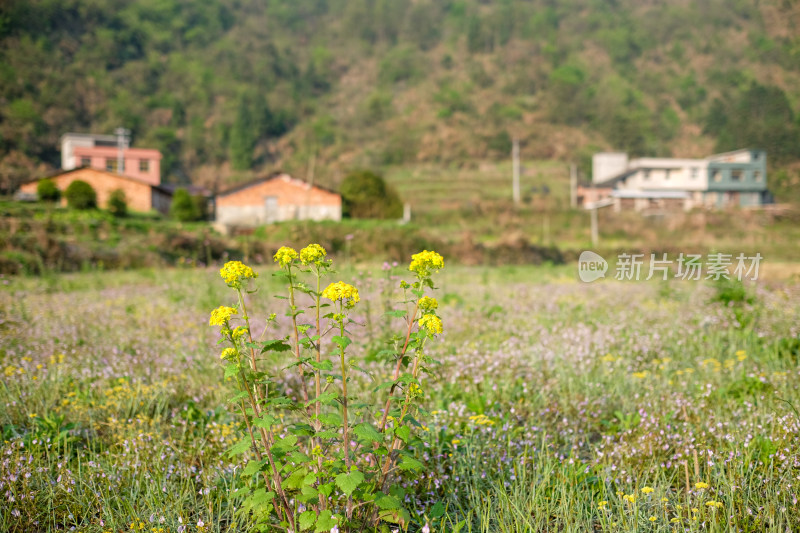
(184, 208)
(47, 191)
(366, 195)
(117, 203)
(81, 195)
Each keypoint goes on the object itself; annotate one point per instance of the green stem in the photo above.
(345, 425)
(296, 334)
(397, 368)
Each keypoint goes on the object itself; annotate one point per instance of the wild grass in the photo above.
(553, 396)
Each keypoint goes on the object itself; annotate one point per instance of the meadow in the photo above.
(554, 405)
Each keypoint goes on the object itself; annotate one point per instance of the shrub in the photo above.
(366, 195)
(117, 203)
(81, 195)
(47, 191)
(184, 208)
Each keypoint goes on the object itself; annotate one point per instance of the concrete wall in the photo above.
(607, 165)
(138, 195)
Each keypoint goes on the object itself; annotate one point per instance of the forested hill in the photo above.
(229, 87)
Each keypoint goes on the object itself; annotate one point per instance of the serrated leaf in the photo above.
(368, 433)
(326, 398)
(403, 433)
(295, 480)
(265, 422)
(231, 370)
(306, 520)
(343, 342)
(308, 494)
(349, 481)
(240, 447)
(330, 419)
(438, 510)
(252, 467)
(409, 463)
(322, 365)
(275, 345)
(326, 489)
(261, 496)
(387, 503)
(238, 396)
(325, 521)
(310, 479)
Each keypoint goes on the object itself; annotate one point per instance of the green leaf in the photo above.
(265, 422)
(240, 447)
(322, 365)
(350, 481)
(308, 494)
(403, 433)
(295, 480)
(343, 342)
(438, 510)
(409, 463)
(307, 520)
(238, 396)
(326, 489)
(275, 345)
(252, 467)
(326, 398)
(261, 496)
(330, 419)
(310, 479)
(325, 521)
(387, 503)
(231, 370)
(398, 313)
(368, 433)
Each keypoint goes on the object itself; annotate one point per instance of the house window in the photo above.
(757, 175)
(144, 165)
(86, 161)
(736, 175)
(647, 174)
(716, 176)
(111, 165)
(666, 174)
(695, 172)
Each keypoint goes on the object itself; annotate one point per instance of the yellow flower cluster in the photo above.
(313, 253)
(285, 256)
(221, 315)
(482, 420)
(415, 390)
(233, 272)
(228, 353)
(426, 303)
(431, 323)
(701, 485)
(630, 498)
(342, 291)
(239, 332)
(425, 263)
(647, 490)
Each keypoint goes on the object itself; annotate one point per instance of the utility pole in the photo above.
(595, 232)
(515, 170)
(123, 138)
(573, 186)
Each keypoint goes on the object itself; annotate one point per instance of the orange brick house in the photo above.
(140, 195)
(276, 198)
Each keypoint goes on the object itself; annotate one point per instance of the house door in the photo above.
(271, 209)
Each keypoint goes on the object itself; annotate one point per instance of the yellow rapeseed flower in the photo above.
(652, 518)
(701, 485)
(342, 291)
(602, 504)
(239, 332)
(234, 272)
(431, 323)
(647, 490)
(285, 256)
(426, 303)
(221, 315)
(425, 263)
(313, 253)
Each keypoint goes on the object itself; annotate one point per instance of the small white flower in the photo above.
(335, 529)
(426, 529)
(200, 523)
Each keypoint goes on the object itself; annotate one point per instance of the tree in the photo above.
(183, 208)
(117, 203)
(243, 137)
(47, 191)
(81, 195)
(366, 195)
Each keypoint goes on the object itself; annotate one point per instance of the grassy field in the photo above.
(557, 406)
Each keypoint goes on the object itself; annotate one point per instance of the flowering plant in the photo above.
(328, 459)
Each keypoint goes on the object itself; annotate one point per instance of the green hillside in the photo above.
(228, 88)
